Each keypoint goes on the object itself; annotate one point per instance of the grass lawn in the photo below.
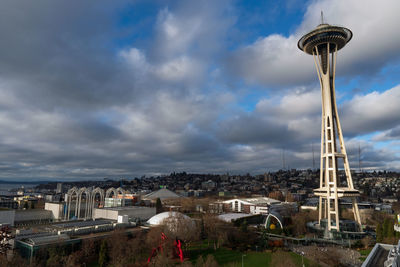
(93, 264)
(256, 259)
(364, 253)
(228, 257)
(298, 261)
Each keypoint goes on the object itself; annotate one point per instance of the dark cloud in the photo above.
(57, 50)
(77, 102)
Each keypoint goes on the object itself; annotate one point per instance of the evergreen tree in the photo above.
(103, 257)
(159, 206)
(386, 228)
(202, 230)
(243, 226)
(391, 229)
(379, 233)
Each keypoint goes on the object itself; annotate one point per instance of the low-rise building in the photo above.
(134, 213)
(120, 200)
(162, 194)
(25, 217)
(6, 202)
(259, 205)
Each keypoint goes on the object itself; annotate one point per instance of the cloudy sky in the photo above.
(94, 89)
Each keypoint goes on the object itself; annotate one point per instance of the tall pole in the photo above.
(359, 157)
(283, 160)
(313, 156)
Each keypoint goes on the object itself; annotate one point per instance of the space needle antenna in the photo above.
(322, 17)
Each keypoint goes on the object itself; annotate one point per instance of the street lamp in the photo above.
(243, 255)
(302, 258)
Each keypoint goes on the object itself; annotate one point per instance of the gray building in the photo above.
(133, 213)
(7, 217)
(384, 255)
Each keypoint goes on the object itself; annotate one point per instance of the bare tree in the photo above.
(276, 195)
(74, 259)
(300, 219)
(118, 249)
(182, 228)
(367, 241)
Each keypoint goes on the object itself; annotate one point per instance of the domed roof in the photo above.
(159, 218)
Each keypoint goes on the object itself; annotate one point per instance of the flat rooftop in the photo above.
(125, 208)
(378, 255)
(256, 200)
(229, 217)
(81, 223)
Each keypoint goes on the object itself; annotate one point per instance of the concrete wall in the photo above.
(7, 217)
(56, 209)
(143, 213)
(105, 214)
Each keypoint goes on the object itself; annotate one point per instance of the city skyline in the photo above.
(140, 87)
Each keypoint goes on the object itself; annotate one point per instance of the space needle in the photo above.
(323, 43)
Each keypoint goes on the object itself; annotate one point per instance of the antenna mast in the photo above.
(322, 17)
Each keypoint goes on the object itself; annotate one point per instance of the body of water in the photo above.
(5, 188)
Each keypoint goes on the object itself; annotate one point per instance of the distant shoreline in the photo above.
(24, 182)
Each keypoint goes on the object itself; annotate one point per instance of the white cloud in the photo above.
(273, 60)
(176, 34)
(135, 58)
(392, 135)
(376, 111)
(276, 60)
(178, 69)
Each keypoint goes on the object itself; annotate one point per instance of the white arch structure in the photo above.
(122, 191)
(82, 191)
(71, 192)
(90, 200)
(96, 191)
(116, 192)
(269, 217)
(111, 190)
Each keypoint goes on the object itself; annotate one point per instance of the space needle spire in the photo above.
(323, 43)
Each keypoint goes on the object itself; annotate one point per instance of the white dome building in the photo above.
(159, 219)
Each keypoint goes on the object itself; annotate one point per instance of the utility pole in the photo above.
(243, 255)
(313, 156)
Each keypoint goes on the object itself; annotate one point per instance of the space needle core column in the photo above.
(323, 43)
